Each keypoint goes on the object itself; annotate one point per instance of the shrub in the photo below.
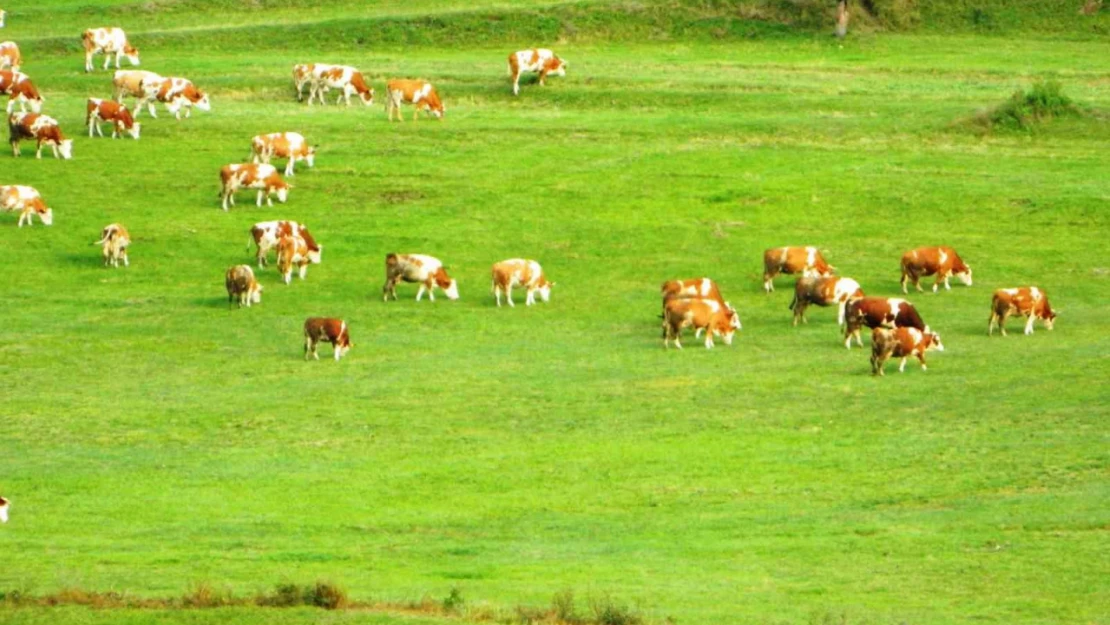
(562, 605)
(608, 612)
(1043, 102)
(326, 595)
(454, 601)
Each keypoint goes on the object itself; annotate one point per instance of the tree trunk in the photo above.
(841, 18)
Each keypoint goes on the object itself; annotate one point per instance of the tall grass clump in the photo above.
(1026, 109)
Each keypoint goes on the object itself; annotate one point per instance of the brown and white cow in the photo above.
(302, 77)
(520, 272)
(176, 93)
(242, 285)
(260, 176)
(5, 504)
(712, 316)
(419, 93)
(824, 292)
(879, 312)
(114, 240)
(901, 343)
(324, 329)
(292, 250)
(28, 202)
(1028, 301)
(109, 41)
(541, 60)
(266, 234)
(20, 90)
(703, 288)
(43, 129)
(426, 270)
(288, 145)
(97, 110)
(10, 58)
(926, 261)
(790, 260)
(347, 79)
(129, 82)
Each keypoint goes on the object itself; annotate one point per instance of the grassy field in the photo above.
(156, 439)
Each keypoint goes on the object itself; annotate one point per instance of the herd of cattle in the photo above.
(897, 328)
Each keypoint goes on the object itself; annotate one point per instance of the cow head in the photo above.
(281, 189)
(314, 255)
(556, 66)
(256, 292)
(132, 54)
(47, 217)
(367, 96)
(545, 289)
(66, 149)
(726, 325)
(931, 340)
(202, 102)
(310, 156)
(343, 343)
(452, 290)
(36, 104)
(4, 503)
(963, 272)
(734, 317)
(1048, 316)
(134, 130)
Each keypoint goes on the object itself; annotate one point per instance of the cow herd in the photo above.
(897, 328)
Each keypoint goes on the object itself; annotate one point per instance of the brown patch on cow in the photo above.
(441, 278)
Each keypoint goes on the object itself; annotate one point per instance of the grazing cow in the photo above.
(42, 129)
(266, 234)
(789, 260)
(703, 314)
(9, 56)
(419, 93)
(28, 202)
(175, 93)
(426, 270)
(879, 312)
(129, 82)
(901, 343)
(824, 292)
(241, 284)
(4, 503)
(260, 176)
(334, 331)
(539, 60)
(21, 90)
(345, 78)
(114, 240)
(97, 110)
(305, 73)
(292, 250)
(290, 145)
(926, 261)
(1029, 301)
(520, 272)
(109, 41)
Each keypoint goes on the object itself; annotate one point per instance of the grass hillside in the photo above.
(157, 441)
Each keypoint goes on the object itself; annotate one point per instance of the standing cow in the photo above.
(426, 270)
(901, 343)
(347, 79)
(114, 240)
(242, 285)
(129, 82)
(790, 260)
(258, 176)
(97, 110)
(43, 129)
(824, 292)
(109, 41)
(10, 58)
(520, 272)
(288, 145)
(292, 250)
(879, 312)
(28, 202)
(176, 93)
(540, 60)
(714, 317)
(926, 261)
(266, 234)
(1028, 301)
(419, 93)
(334, 331)
(20, 90)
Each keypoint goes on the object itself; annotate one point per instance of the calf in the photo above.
(109, 41)
(266, 234)
(710, 315)
(334, 331)
(420, 93)
(292, 250)
(347, 79)
(426, 270)
(28, 202)
(175, 93)
(539, 60)
(129, 82)
(97, 110)
(926, 261)
(289, 145)
(114, 240)
(4, 503)
(20, 90)
(1029, 301)
(10, 56)
(258, 176)
(901, 343)
(43, 129)
(824, 292)
(879, 312)
(789, 260)
(520, 272)
(241, 285)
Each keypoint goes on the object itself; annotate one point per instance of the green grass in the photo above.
(155, 439)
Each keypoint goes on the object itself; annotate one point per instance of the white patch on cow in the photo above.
(4, 511)
(811, 257)
(1010, 291)
(943, 257)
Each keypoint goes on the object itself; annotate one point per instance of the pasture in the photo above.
(156, 439)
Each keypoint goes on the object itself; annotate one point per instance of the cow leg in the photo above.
(768, 283)
(709, 339)
(1029, 323)
(420, 292)
(947, 286)
(497, 294)
(543, 74)
(335, 352)
(15, 148)
(509, 294)
(88, 61)
(432, 291)
(304, 270)
(697, 332)
(108, 60)
(258, 198)
(921, 357)
(902, 365)
(1002, 322)
(123, 253)
(530, 298)
(91, 124)
(903, 281)
(38, 151)
(516, 83)
(840, 312)
(289, 167)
